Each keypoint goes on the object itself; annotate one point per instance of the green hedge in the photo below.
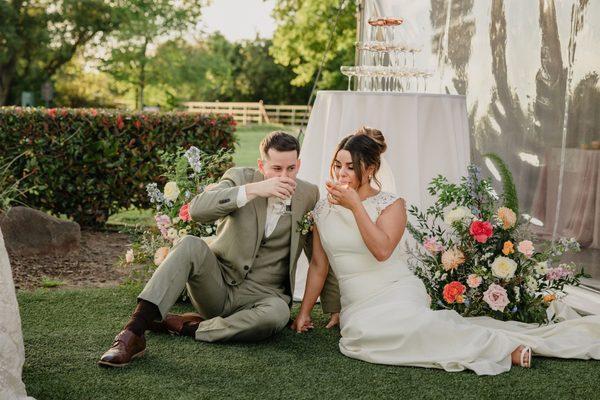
(89, 163)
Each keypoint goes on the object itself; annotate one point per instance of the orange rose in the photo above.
(453, 292)
(549, 297)
(508, 248)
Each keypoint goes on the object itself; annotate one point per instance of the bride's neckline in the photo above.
(369, 197)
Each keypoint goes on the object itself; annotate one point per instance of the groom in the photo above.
(241, 282)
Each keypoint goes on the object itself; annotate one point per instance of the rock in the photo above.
(31, 232)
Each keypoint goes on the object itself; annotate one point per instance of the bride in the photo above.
(385, 316)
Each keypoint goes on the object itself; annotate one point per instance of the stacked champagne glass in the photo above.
(386, 63)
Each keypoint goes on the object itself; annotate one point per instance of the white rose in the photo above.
(176, 220)
(182, 232)
(172, 234)
(532, 284)
(541, 268)
(171, 191)
(504, 267)
(458, 214)
(209, 229)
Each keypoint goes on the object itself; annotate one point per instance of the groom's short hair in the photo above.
(280, 141)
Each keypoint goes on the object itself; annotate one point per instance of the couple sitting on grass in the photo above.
(241, 282)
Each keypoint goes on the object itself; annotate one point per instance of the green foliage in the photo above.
(509, 190)
(215, 69)
(75, 87)
(38, 37)
(88, 163)
(304, 28)
(10, 192)
(144, 22)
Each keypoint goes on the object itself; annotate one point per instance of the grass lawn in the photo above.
(66, 331)
(249, 137)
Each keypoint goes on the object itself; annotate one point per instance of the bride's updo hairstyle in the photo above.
(365, 146)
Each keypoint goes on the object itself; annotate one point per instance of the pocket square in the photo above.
(223, 201)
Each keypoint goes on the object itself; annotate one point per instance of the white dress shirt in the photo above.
(272, 214)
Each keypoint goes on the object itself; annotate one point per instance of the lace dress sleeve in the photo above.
(384, 199)
(319, 209)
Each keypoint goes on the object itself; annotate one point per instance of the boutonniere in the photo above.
(305, 224)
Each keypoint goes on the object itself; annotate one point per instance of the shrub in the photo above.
(88, 163)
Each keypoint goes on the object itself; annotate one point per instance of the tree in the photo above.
(259, 77)
(37, 37)
(302, 34)
(145, 22)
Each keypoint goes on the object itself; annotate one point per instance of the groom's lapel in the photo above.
(260, 206)
(297, 208)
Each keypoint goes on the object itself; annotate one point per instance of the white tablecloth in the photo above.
(426, 134)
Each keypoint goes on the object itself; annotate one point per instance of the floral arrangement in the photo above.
(476, 256)
(187, 172)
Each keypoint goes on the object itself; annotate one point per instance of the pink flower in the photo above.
(432, 245)
(481, 230)
(557, 273)
(51, 112)
(495, 296)
(162, 223)
(184, 212)
(129, 256)
(474, 280)
(526, 247)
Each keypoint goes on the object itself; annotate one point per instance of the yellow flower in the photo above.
(508, 248)
(452, 258)
(171, 191)
(507, 216)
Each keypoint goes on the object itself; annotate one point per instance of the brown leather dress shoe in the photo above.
(126, 347)
(174, 323)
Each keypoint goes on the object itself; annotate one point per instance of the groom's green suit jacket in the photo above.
(240, 230)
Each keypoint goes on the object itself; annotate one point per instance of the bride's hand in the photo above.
(302, 323)
(342, 195)
(334, 320)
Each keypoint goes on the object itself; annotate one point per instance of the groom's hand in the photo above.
(333, 320)
(282, 187)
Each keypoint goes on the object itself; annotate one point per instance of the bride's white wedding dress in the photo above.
(386, 319)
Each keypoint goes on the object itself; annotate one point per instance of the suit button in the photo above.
(256, 256)
(263, 242)
(246, 267)
(233, 282)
